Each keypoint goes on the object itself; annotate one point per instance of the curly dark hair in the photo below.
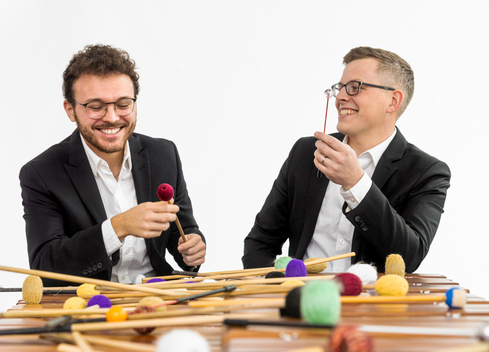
(98, 60)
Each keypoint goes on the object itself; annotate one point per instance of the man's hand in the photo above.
(145, 220)
(193, 251)
(341, 163)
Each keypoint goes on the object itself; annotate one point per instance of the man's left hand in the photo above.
(193, 251)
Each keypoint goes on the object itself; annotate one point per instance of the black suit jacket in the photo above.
(64, 212)
(400, 213)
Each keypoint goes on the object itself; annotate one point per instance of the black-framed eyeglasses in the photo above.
(353, 87)
(97, 109)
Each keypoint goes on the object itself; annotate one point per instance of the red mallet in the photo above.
(165, 194)
(351, 285)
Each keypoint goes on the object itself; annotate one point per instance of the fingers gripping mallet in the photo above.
(165, 193)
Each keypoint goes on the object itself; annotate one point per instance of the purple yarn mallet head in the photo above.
(100, 300)
(295, 268)
(155, 279)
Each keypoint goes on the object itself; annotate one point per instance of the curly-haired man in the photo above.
(90, 202)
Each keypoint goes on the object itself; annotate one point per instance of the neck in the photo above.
(364, 142)
(114, 160)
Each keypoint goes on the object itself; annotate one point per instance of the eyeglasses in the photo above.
(97, 109)
(353, 87)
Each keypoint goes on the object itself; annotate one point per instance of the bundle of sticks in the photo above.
(203, 302)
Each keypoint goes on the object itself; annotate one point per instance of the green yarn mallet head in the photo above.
(320, 302)
(281, 263)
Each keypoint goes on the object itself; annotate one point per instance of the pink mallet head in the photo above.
(165, 192)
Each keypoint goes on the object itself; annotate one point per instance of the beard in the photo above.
(103, 145)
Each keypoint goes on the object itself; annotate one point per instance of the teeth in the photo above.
(346, 112)
(111, 131)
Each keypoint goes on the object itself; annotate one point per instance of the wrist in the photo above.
(119, 229)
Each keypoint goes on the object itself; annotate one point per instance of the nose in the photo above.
(110, 114)
(341, 95)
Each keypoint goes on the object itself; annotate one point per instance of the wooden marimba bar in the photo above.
(421, 317)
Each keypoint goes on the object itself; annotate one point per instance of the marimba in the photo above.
(419, 326)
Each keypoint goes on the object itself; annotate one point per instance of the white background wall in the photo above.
(235, 83)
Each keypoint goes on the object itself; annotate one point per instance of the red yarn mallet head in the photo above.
(349, 338)
(165, 192)
(351, 284)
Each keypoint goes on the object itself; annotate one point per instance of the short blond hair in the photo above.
(394, 70)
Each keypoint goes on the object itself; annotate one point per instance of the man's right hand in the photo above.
(146, 220)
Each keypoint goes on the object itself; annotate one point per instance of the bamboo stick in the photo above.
(80, 342)
(259, 271)
(82, 280)
(243, 290)
(474, 347)
(275, 302)
(308, 349)
(51, 289)
(172, 322)
(55, 312)
(102, 341)
(239, 283)
(64, 347)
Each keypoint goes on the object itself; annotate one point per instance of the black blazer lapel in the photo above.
(141, 171)
(80, 173)
(386, 167)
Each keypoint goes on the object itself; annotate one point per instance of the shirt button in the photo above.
(342, 241)
(127, 251)
(352, 199)
(123, 277)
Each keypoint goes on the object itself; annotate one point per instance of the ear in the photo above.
(70, 111)
(396, 101)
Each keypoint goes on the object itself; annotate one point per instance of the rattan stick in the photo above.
(82, 280)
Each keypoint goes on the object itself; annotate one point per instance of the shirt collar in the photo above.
(95, 161)
(377, 151)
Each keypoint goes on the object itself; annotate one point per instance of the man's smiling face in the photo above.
(110, 133)
(365, 113)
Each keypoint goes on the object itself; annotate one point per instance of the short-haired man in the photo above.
(90, 202)
(381, 195)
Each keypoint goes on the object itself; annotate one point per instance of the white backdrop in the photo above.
(235, 83)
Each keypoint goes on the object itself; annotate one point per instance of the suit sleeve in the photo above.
(52, 244)
(407, 222)
(185, 216)
(271, 228)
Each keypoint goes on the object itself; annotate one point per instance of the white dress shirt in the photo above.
(333, 233)
(118, 196)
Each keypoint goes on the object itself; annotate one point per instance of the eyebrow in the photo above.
(101, 101)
